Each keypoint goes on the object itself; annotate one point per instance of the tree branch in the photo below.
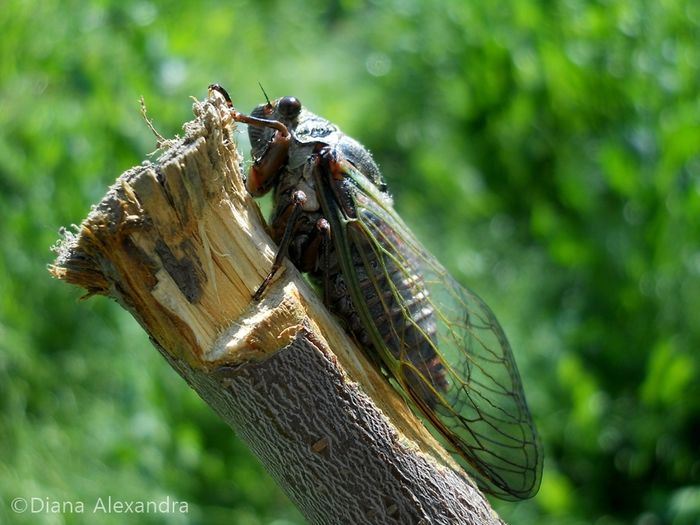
(182, 246)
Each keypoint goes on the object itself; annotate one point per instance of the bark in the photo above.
(182, 246)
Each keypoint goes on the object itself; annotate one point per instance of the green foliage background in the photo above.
(548, 152)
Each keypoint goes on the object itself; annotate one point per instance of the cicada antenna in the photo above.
(264, 93)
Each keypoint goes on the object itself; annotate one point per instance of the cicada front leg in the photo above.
(290, 218)
(263, 173)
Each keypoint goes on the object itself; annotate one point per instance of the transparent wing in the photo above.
(469, 391)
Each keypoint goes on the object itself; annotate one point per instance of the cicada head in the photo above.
(285, 110)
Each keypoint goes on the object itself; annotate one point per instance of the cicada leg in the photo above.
(297, 207)
(264, 170)
(325, 228)
(319, 247)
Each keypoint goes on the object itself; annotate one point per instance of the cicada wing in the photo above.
(470, 393)
(482, 413)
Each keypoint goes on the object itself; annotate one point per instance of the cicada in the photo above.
(436, 340)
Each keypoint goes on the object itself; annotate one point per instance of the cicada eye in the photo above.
(289, 107)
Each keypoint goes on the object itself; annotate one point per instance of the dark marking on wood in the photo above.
(186, 270)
